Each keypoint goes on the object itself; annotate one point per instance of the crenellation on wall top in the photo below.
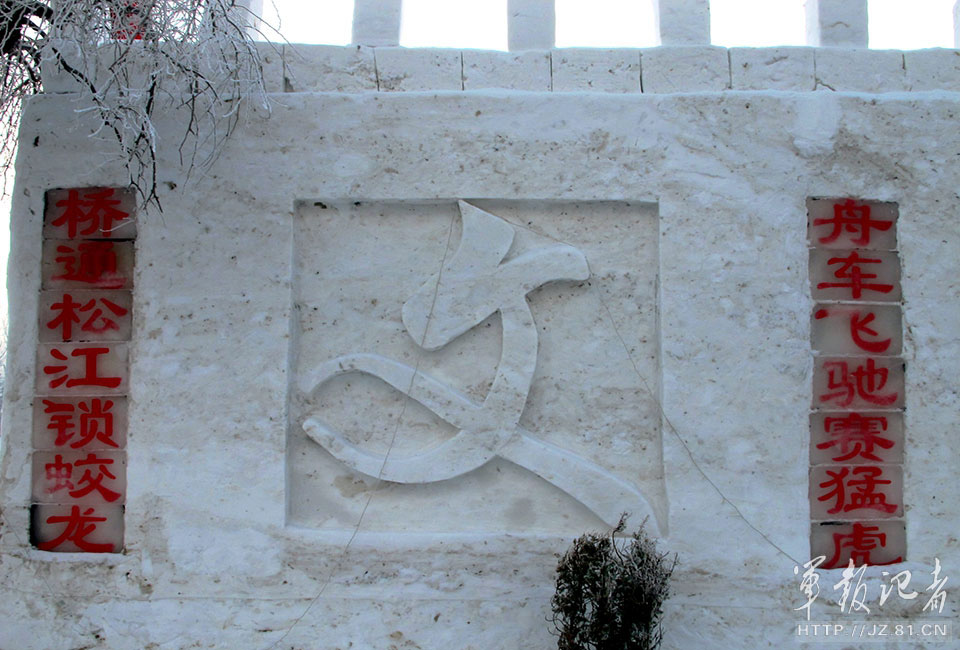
(658, 70)
(835, 59)
(531, 24)
(956, 24)
(683, 22)
(837, 23)
(376, 22)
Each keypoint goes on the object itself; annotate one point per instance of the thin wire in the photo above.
(676, 434)
(386, 458)
(656, 401)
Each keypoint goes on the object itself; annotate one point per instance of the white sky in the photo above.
(897, 24)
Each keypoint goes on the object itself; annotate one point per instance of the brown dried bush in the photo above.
(610, 592)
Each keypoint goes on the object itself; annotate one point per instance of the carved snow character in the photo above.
(473, 284)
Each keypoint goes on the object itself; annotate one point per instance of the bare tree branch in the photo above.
(130, 60)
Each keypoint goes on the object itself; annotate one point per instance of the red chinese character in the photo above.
(61, 421)
(68, 313)
(864, 496)
(854, 218)
(97, 322)
(90, 377)
(66, 316)
(850, 270)
(90, 262)
(95, 482)
(95, 208)
(129, 21)
(60, 473)
(858, 327)
(856, 435)
(96, 422)
(866, 382)
(861, 541)
(78, 527)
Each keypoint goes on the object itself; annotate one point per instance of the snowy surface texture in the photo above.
(683, 368)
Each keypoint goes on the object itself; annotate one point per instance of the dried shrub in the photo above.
(610, 592)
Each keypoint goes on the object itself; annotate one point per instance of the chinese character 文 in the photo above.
(92, 213)
(853, 218)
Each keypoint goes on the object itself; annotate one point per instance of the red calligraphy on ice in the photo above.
(89, 262)
(852, 217)
(92, 479)
(861, 541)
(129, 21)
(60, 474)
(78, 528)
(94, 424)
(854, 276)
(864, 381)
(96, 317)
(61, 421)
(91, 375)
(859, 331)
(856, 435)
(856, 490)
(91, 213)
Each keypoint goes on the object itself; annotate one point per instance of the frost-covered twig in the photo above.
(128, 61)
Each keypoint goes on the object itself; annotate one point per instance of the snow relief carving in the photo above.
(474, 283)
